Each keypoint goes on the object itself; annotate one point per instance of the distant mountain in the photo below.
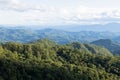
(112, 27)
(23, 35)
(116, 39)
(114, 47)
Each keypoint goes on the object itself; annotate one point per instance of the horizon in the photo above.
(54, 14)
(110, 27)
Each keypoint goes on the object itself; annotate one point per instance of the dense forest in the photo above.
(47, 60)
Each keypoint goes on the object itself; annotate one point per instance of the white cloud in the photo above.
(16, 12)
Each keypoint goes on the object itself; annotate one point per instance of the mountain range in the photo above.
(52, 54)
(59, 36)
(109, 40)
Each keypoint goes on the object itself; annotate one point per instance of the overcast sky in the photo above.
(59, 12)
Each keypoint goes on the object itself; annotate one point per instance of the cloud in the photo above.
(16, 5)
(92, 15)
(9, 2)
(19, 12)
(10, 5)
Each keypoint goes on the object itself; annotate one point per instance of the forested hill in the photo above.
(112, 46)
(46, 60)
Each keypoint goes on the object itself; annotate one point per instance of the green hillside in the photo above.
(46, 60)
(114, 47)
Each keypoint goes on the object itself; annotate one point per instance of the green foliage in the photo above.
(112, 46)
(46, 60)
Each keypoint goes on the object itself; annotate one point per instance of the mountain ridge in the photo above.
(26, 35)
(112, 46)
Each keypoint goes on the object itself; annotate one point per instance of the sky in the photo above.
(59, 12)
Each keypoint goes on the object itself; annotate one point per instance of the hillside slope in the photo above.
(46, 60)
(114, 47)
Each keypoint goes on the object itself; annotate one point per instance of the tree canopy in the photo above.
(46, 60)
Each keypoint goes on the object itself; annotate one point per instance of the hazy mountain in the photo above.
(110, 27)
(60, 36)
(117, 39)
